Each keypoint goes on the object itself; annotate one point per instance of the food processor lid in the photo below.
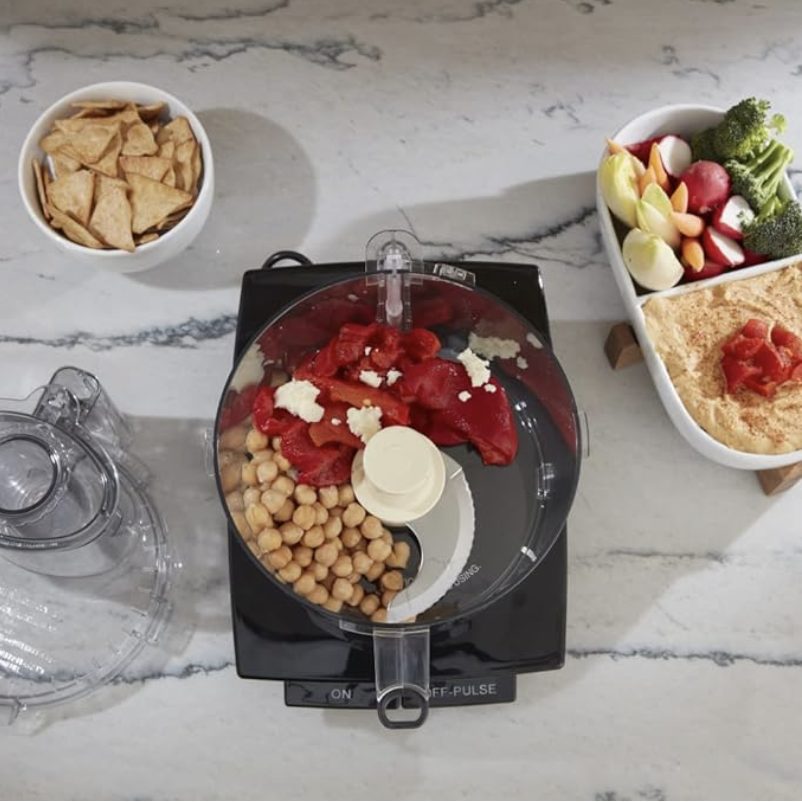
(75, 610)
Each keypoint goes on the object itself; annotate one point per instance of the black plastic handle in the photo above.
(421, 703)
(281, 256)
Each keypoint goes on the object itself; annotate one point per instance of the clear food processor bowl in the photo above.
(516, 512)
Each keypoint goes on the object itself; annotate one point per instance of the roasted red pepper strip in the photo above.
(394, 411)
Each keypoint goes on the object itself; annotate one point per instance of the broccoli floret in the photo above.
(758, 179)
(777, 230)
(745, 129)
(702, 147)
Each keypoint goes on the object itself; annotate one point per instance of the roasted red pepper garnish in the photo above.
(761, 359)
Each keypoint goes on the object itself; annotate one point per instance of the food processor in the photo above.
(489, 558)
(85, 567)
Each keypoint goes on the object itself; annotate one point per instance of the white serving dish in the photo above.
(683, 120)
(150, 254)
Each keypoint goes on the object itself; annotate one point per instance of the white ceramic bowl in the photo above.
(683, 120)
(150, 254)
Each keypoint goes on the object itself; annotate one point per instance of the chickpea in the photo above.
(345, 495)
(375, 571)
(319, 595)
(332, 527)
(304, 516)
(273, 500)
(338, 543)
(320, 571)
(269, 539)
(283, 463)
(342, 566)
(266, 471)
(369, 604)
(342, 589)
(392, 580)
(254, 547)
(326, 554)
(371, 527)
(350, 537)
(286, 511)
(290, 572)
(335, 605)
(241, 523)
(357, 596)
(251, 495)
(291, 533)
(230, 471)
(354, 514)
(361, 562)
(256, 441)
(303, 555)
(336, 512)
(305, 494)
(328, 496)
(354, 578)
(314, 537)
(275, 444)
(387, 537)
(258, 517)
(305, 583)
(379, 550)
(380, 616)
(235, 501)
(284, 485)
(387, 597)
(233, 438)
(265, 455)
(321, 513)
(280, 558)
(400, 556)
(248, 475)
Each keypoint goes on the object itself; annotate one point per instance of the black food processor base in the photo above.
(473, 660)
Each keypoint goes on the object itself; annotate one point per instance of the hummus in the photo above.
(688, 331)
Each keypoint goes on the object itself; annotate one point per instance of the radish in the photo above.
(708, 186)
(709, 270)
(721, 249)
(676, 155)
(730, 218)
(752, 258)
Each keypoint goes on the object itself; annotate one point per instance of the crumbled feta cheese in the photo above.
(250, 370)
(335, 421)
(476, 367)
(491, 347)
(490, 388)
(522, 363)
(393, 376)
(533, 341)
(364, 422)
(370, 377)
(368, 349)
(464, 396)
(353, 298)
(298, 398)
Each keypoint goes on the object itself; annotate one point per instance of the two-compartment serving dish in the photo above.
(683, 120)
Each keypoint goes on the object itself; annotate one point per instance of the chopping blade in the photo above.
(445, 535)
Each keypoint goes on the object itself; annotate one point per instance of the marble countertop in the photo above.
(477, 124)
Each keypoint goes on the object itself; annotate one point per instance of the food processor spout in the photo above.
(401, 661)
